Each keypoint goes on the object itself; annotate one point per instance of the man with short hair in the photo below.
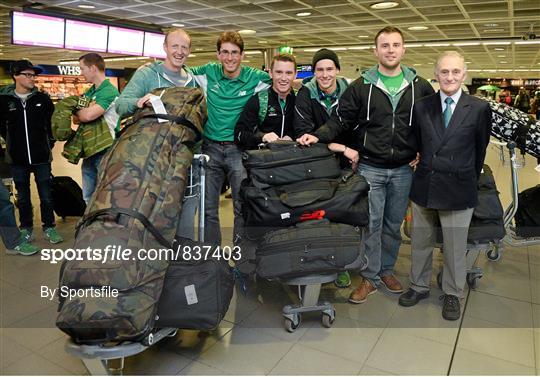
(378, 105)
(269, 115)
(25, 125)
(452, 129)
(170, 73)
(228, 85)
(316, 100)
(99, 98)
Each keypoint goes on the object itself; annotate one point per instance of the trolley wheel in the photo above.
(292, 325)
(493, 255)
(148, 340)
(472, 280)
(439, 280)
(327, 320)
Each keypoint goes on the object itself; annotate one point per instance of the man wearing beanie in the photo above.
(378, 106)
(315, 101)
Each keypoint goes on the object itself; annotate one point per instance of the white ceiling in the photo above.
(332, 23)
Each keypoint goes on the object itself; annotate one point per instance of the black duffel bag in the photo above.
(284, 162)
(310, 247)
(343, 200)
(527, 217)
(198, 287)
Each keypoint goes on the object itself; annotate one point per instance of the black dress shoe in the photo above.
(451, 309)
(411, 297)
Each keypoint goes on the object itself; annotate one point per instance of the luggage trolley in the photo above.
(511, 238)
(309, 288)
(109, 360)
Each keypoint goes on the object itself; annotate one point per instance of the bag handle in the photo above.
(296, 195)
(128, 212)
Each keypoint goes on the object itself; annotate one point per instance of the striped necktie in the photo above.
(447, 114)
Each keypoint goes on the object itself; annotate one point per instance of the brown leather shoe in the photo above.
(360, 294)
(392, 284)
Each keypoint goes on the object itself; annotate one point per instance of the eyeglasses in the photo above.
(233, 54)
(28, 75)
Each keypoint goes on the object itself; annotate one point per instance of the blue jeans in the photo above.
(388, 198)
(186, 224)
(225, 159)
(42, 176)
(90, 167)
(8, 226)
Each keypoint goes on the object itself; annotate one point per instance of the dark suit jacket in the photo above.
(451, 158)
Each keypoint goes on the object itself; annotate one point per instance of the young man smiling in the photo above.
(228, 85)
(379, 106)
(268, 116)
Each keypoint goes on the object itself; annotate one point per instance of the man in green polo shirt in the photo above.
(228, 85)
(100, 97)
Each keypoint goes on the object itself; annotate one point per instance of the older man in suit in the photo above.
(452, 129)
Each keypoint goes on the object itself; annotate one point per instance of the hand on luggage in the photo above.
(307, 139)
(270, 137)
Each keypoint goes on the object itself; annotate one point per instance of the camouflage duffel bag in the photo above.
(130, 223)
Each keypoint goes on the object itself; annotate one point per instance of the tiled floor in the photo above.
(500, 332)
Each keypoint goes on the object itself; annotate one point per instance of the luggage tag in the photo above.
(191, 294)
(158, 106)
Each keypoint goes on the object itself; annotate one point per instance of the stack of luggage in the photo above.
(136, 206)
(305, 213)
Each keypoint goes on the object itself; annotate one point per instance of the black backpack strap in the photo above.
(128, 212)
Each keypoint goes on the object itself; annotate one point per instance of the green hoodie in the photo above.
(341, 82)
(145, 79)
(371, 77)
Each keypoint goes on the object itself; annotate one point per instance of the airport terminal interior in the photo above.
(499, 330)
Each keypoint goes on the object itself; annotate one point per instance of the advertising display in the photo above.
(153, 45)
(37, 30)
(125, 41)
(77, 33)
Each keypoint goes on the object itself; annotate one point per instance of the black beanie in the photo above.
(325, 53)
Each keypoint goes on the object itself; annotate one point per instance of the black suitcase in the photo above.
(285, 162)
(343, 200)
(308, 248)
(527, 217)
(197, 291)
(67, 197)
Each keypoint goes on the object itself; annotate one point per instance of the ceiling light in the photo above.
(339, 48)
(247, 31)
(360, 48)
(417, 28)
(192, 55)
(493, 30)
(495, 43)
(520, 70)
(254, 52)
(501, 56)
(67, 62)
(466, 44)
(263, 42)
(86, 6)
(198, 49)
(527, 42)
(436, 44)
(407, 45)
(384, 5)
(467, 62)
(363, 36)
(303, 14)
(417, 64)
(503, 62)
(491, 25)
(246, 61)
(498, 49)
(504, 70)
(311, 49)
(474, 70)
(178, 24)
